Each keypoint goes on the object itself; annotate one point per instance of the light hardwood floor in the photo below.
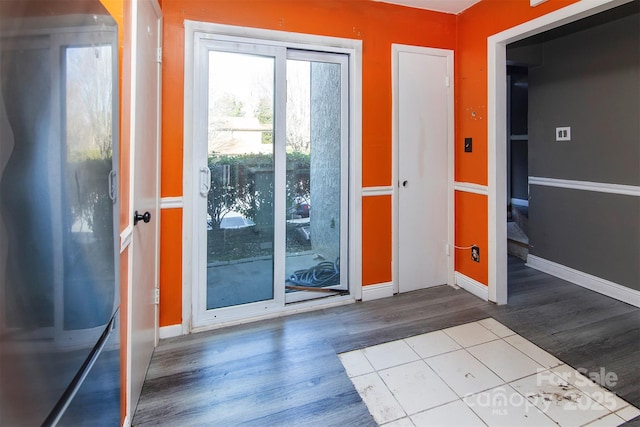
(286, 371)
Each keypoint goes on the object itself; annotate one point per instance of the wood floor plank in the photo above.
(397, 331)
(286, 371)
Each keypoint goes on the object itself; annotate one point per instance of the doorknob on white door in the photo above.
(146, 217)
(405, 183)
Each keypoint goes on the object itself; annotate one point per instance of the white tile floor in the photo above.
(477, 374)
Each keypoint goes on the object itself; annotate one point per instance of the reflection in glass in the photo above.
(240, 200)
(89, 289)
(25, 187)
(313, 174)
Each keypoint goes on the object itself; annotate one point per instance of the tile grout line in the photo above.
(504, 382)
(587, 395)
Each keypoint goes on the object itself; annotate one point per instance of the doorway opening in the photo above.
(497, 129)
(244, 181)
(272, 166)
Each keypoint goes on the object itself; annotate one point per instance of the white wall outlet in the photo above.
(563, 133)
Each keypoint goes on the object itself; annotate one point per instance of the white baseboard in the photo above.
(170, 331)
(597, 284)
(380, 290)
(473, 286)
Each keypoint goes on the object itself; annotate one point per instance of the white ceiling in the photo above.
(446, 6)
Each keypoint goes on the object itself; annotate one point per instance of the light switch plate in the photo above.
(468, 145)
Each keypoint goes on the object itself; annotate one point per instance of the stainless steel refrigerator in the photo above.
(59, 288)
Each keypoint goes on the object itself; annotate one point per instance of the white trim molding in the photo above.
(600, 187)
(594, 283)
(126, 237)
(171, 331)
(535, 3)
(377, 191)
(472, 286)
(497, 126)
(171, 203)
(469, 187)
(380, 290)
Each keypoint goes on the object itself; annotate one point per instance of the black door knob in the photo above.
(404, 183)
(145, 217)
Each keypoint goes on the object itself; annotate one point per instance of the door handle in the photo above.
(405, 183)
(205, 180)
(145, 217)
(113, 185)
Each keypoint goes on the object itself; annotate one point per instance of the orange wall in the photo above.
(377, 24)
(474, 25)
(171, 271)
(467, 234)
(376, 245)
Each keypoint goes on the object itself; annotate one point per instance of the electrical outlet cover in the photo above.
(563, 133)
(475, 253)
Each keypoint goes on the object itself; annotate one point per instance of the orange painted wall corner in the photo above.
(376, 240)
(171, 268)
(473, 27)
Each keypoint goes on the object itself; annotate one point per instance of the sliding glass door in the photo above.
(271, 205)
(241, 172)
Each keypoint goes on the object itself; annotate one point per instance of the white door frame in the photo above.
(292, 40)
(448, 54)
(342, 61)
(497, 126)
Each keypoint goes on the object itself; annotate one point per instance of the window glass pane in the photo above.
(314, 184)
(240, 200)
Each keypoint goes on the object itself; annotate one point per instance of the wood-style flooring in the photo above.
(285, 371)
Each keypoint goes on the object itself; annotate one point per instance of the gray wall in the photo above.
(596, 233)
(589, 80)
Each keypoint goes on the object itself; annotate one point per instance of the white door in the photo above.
(145, 132)
(422, 108)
